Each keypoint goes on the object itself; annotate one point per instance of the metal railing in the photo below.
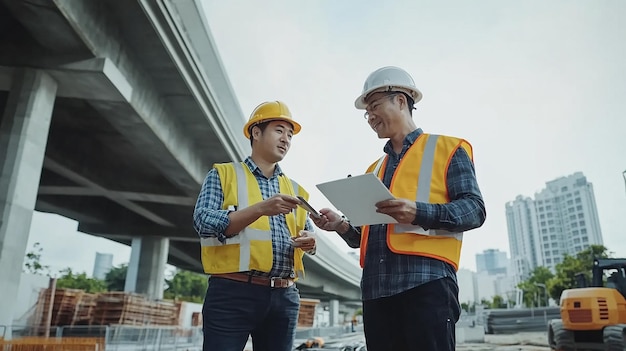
(120, 337)
(153, 338)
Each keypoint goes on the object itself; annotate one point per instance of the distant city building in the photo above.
(102, 265)
(492, 261)
(475, 287)
(486, 286)
(561, 219)
(467, 286)
(506, 288)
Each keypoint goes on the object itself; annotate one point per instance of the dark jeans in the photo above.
(422, 318)
(233, 311)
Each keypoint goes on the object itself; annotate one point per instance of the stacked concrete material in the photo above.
(519, 320)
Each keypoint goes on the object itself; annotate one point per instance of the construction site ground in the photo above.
(527, 341)
(530, 341)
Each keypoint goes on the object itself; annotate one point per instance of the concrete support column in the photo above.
(333, 312)
(133, 265)
(148, 266)
(23, 136)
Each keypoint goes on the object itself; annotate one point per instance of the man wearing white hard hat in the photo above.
(409, 284)
(253, 236)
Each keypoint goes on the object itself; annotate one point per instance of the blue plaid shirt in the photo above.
(209, 219)
(386, 273)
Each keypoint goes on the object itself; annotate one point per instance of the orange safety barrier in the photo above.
(52, 344)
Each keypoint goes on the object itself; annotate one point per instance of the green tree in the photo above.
(498, 302)
(465, 306)
(69, 280)
(535, 286)
(115, 278)
(32, 262)
(510, 303)
(571, 266)
(486, 303)
(186, 286)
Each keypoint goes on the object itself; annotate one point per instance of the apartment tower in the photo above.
(561, 219)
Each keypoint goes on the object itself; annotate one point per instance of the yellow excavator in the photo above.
(593, 317)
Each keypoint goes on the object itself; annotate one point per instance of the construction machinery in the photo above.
(593, 317)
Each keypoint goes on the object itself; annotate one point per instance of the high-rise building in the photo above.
(567, 217)
(468, 291)
(102, 265)
(522, 229)
(492, 261)
(561, 219)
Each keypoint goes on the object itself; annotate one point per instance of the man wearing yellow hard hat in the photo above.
(253, 237)
(409, 285)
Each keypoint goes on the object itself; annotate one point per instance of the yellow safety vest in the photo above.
(421, 176)
(251, 249)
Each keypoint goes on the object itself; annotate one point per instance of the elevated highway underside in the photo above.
(143, 108)
(129, 144)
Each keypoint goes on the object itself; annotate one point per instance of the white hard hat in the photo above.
(388, 79)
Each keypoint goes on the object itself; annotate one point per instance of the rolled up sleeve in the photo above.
(466, 209)
(209, 219)
(352, 237)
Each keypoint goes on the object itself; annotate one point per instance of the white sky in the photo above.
(537, 87)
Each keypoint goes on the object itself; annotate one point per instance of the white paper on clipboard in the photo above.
(356, 198)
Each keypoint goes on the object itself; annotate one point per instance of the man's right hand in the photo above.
(278, 204)
(329, 220)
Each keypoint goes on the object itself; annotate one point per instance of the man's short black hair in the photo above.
(261, 126)
(409, 101)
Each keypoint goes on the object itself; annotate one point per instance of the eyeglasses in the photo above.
(376, 104)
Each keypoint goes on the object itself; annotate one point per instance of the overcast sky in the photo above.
(538, 88)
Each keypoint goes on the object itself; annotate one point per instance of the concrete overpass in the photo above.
(112, 113)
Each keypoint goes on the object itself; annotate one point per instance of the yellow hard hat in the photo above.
(270, 111)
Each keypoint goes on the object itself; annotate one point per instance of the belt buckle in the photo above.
(273, 283)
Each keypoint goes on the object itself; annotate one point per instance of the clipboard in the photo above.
(356, 197)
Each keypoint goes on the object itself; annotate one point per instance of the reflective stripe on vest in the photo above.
(247, 234)
(379, 166)
(423, 193)
(251, 248)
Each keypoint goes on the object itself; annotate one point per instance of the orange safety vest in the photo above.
(421, 176)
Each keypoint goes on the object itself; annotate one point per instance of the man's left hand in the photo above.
(305, 241)
(402, 210)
